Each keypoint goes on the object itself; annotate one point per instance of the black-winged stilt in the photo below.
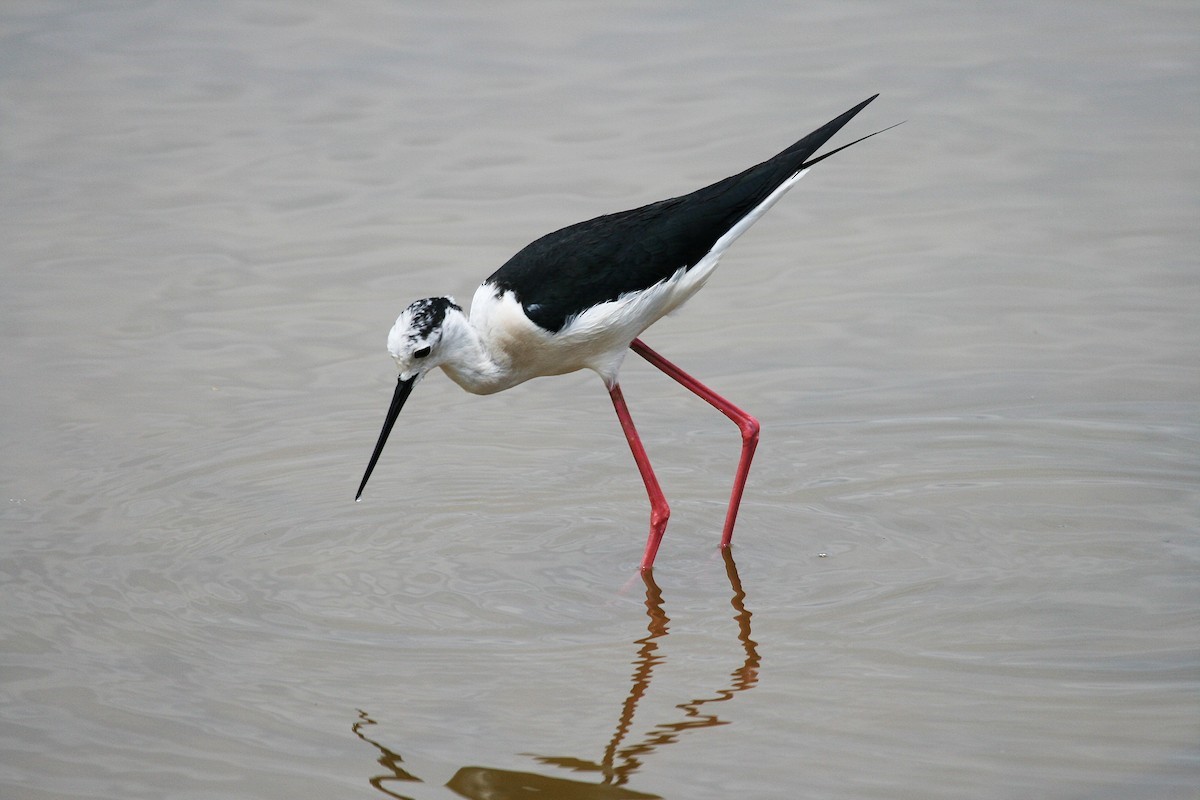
(579, 298)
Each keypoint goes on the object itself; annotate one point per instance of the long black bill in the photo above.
(403, 390)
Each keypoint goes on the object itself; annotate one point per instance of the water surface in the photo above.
(966, 565)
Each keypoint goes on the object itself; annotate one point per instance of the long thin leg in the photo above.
(660, 512)
(747, 424)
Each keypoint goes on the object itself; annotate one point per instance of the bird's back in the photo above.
(565, 272)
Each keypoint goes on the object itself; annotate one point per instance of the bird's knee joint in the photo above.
(750, 429)
(659, 516)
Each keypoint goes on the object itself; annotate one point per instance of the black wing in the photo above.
(568, 271)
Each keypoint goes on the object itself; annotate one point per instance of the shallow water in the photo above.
(966, 565)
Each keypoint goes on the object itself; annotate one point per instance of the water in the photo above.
(966, 565)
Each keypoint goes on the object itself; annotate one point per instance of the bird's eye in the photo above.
(424, 351)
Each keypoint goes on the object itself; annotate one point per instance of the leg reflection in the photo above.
(389, 760)
(621, 759)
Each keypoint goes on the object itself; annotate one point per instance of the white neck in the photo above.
(467, 359)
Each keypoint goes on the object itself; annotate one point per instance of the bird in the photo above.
(581, 297)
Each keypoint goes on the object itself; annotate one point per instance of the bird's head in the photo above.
(416, 338)
(415, 343)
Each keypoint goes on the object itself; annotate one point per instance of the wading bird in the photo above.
(580, 298)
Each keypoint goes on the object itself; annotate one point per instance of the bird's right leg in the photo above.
(660, 512)
(747, 424)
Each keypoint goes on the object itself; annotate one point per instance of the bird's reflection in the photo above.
(621, 758)
(388, 759)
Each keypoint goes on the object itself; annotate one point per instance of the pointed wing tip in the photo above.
(843, 120)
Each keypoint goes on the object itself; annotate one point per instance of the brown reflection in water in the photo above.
(388, 760)
(620, 760)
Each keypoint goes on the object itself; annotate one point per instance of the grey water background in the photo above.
(966, 564)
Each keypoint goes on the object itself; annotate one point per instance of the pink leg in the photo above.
(660, 512)
(747, 424)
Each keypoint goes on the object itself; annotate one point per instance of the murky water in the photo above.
(966, 565)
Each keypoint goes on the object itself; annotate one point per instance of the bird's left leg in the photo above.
(747, 424)
(660, 512)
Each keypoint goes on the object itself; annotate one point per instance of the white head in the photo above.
(415, 343)
(415, 340)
